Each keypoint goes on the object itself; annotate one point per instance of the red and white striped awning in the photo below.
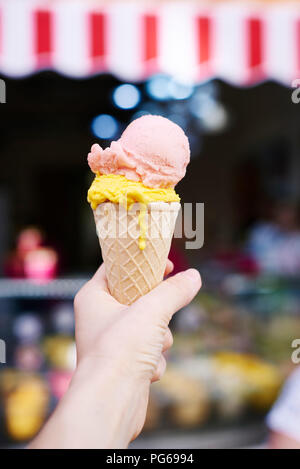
(242, 44)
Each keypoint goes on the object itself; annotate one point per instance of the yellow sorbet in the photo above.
(120, 190)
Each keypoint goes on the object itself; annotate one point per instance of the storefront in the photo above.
(78, 72)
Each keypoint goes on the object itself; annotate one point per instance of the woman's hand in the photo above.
(119, 353)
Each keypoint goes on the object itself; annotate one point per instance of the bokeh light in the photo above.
(105, 126)
(164, 88)
(214, 117)
(179, 90)
(126, 96)
(158, 87)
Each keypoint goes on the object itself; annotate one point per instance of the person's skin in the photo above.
(119, 353)
(280, 441)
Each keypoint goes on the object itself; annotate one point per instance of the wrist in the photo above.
(96, 412)
(112, 399)
(110, 377)
(103, 408)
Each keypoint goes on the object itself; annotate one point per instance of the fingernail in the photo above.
(193, 275)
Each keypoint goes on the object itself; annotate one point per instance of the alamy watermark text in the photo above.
(2, 351)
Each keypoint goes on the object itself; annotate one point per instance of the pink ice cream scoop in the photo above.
(152, 149)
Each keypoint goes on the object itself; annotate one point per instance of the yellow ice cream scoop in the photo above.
(120, 190)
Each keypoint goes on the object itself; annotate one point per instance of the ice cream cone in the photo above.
(131, 271)
(140, 169)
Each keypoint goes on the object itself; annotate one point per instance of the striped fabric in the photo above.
(242, 44)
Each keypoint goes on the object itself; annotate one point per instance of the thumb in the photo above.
(170, 296)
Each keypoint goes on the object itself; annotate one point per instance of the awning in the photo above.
(242, 44)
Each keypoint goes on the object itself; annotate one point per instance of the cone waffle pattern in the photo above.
(132, 272)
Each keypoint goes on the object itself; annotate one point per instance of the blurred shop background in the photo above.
(223, 84)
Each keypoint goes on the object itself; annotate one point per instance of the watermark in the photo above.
(191, 216)
(296, 353)
(296, 93)
(2, 351)
(2, 91)
(154, 221)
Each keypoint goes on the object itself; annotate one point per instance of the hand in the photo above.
(97, 312)
(120, 352)
(130, 340)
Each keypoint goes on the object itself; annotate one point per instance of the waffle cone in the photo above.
(130, 271)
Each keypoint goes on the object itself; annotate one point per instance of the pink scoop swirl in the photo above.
(152, 149)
